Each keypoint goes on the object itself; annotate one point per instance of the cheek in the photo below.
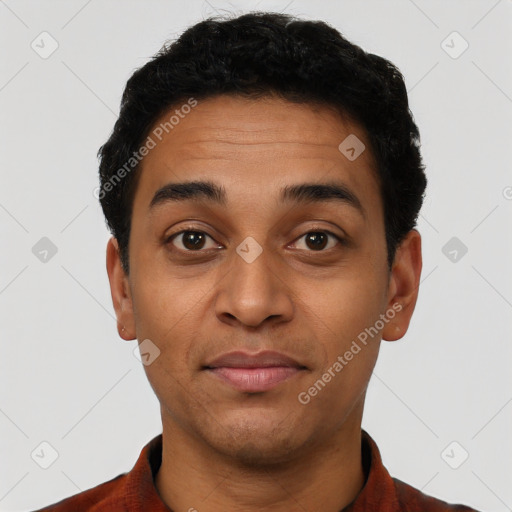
(346, 306)
(163, 314)
(157, 317)
(170, 312)
(161, 301)
(342, 311)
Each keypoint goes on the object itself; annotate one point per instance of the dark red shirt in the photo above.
(136, 491)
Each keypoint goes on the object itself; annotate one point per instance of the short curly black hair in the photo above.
(257, 55)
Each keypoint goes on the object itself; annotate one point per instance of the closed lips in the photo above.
(265, 359)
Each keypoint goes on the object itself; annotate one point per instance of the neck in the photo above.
(327, 476)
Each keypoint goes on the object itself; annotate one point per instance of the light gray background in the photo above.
(66, 376)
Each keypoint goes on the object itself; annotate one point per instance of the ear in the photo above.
(120, 291)
(403, 286)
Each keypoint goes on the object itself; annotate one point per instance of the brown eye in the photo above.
(317, 240)
(190, 240)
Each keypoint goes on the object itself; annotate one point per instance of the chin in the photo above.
(265, 443)
(265, 453)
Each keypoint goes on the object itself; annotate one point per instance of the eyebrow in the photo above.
(299, 193)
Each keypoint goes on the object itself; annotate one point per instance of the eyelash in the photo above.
(194, 229)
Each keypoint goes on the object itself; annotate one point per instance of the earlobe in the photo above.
(120, 292)
(403, 286)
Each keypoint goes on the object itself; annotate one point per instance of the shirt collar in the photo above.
(378, 493)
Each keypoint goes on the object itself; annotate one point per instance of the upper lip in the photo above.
(265, 359)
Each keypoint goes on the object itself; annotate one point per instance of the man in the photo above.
(262, 184)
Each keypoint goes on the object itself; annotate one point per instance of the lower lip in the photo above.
(254, 379)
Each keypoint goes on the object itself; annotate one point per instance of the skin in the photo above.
(224, 449)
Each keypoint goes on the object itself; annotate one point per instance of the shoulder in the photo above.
(413, 500)
(387, 494)
(105, 496)
(134, 490)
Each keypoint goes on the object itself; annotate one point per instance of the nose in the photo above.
(255, 288)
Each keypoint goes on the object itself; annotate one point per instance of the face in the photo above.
(253, 268)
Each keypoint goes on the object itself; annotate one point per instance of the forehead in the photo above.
(255, 148)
